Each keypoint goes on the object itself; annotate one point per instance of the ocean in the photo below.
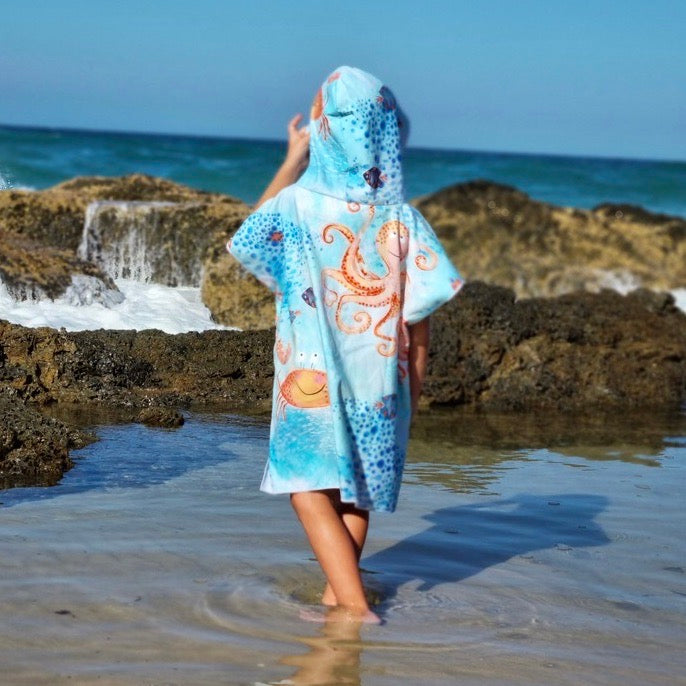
(38, 158)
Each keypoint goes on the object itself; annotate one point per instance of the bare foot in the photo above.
(341, 614)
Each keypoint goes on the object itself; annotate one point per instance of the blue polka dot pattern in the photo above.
(356, 140)
(372, 477)
(261, 245)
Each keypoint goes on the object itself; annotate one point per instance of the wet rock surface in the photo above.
(30, 270)
(572, 352)
(34, 449)
(157, 241)
(134, 226)
(136, 369)
(160, 416)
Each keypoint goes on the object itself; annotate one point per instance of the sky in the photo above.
(598, 78)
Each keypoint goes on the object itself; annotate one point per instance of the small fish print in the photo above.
(374, 177)
(308, 297)
(387, 406)
(292, 314)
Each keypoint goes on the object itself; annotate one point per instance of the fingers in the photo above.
(293, 123)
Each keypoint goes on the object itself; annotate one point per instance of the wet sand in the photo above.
(523, 551)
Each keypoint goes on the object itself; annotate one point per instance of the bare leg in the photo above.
(334, 549)
(356, 521)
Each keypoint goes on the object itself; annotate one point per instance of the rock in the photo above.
(34, 450)
(30, 270)
(154, 241)
(55, 216)
(580, 352)
(488, 350)
(144, 228)
(134, 226)
(160, 416)
(233, 295)
(499, 234)
(137, 369)
(572, 352)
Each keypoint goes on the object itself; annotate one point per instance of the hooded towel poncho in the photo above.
(351, 265)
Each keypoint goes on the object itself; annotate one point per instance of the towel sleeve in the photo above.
(258, 244)
(432, 279)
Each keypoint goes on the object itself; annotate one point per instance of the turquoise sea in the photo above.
(38, 158)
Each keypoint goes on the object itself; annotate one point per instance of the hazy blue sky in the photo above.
(604, 78)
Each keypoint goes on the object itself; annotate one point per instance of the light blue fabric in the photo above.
(351, 265)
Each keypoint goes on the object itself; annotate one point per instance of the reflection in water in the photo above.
(334, 656)
(461, 542)
(628, 432)
(467, 451)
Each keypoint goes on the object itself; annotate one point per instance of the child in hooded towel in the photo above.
(356, 272)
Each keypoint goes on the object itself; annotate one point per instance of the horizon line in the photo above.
(160, 134)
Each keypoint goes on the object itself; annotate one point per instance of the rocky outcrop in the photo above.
(56, 215)
(499, 234)
(488, 350)
(152, 229)
(157, 241)
(136, 369)
(579, 352)
(30, 270)
(134, 226)
(572, 352)
(34, 449)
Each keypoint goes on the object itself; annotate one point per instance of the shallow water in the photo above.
(526, 550)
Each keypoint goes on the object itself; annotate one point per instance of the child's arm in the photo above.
(295, 163)
(419, 355)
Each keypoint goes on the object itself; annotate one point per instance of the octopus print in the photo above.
(365, 287)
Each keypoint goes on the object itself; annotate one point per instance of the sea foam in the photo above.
(142, 306)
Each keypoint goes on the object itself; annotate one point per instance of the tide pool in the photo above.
(525, 550)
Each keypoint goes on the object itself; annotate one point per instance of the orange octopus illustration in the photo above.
(403, 348)
(302, 388)
(370, 289)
